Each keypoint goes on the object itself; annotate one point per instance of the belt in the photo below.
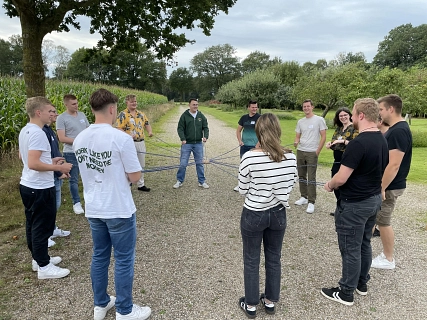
(138, 140)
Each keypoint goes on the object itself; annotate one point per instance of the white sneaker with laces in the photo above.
(204, 185)
(301, 201)
(60, 233)
(99, 313)
(53, 260)
(177, 185)
(50, 243)
(381, 262)
(138, 313)
(310, 208)
(78, 208)
(52, 272)
(236, 189)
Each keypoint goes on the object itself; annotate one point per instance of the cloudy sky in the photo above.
(290, 29)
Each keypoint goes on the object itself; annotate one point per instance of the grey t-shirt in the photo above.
(72, 125)
(310, 132)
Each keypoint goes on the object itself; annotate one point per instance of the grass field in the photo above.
(418, 170)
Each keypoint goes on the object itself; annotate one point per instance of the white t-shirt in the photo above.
(310, 132)
(264, 182)
(72, 125)
(105, 155)
(32, 137)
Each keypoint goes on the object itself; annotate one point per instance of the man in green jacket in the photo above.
(192, 130)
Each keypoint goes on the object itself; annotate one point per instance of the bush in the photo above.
(286, 116)
(419, 139)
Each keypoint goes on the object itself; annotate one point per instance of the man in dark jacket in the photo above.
(192, 130)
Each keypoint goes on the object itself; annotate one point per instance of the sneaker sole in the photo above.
(52, 277)
(362, 293)
(384, 267)
(336, 300)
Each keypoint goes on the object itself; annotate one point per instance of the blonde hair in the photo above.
(268, 132)
(36, 103)
(130, 97)
(369, 107)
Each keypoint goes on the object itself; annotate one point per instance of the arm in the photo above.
(63, 138)
(297, 139)
(239, 135)
(34, 163)
(339, 178)
(205, 129)
(395, 158)
(149, 130)
(322, 141)
(181, 129)
(134, 176)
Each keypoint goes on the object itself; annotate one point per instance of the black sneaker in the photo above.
(251, 314)
(144, 188)
(362, 289)
(376, 233)
(335, 294)
(269, 308)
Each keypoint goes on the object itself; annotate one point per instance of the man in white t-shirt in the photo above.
(108, 163)
(68, 125)
(309, 140)
(37, 187)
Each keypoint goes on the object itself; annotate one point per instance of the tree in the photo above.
(218, 65)
(257, 60)
(5, 56)
(61, 59)
(288, 72)
(404, 47)
(181, 81)
(120, 23)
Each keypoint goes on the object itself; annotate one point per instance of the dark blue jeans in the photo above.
(40, 214)
(353, 223)
(70, 157)
(244, 149)
(269, 227)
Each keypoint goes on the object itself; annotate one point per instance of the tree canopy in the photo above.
(121, 24)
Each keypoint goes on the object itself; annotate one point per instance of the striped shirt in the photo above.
(264, 182)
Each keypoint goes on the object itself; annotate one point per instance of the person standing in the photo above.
(133, 122)
(359, 180)
(58, 175)
(343, 134)
(108, 163)
(192, 130)
(309, 141)
(245, 132)
(399, 140)
(267, 175)
(37, 187)
(68, 125)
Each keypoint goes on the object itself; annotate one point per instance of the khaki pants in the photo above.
(307, 166)
(140, 149)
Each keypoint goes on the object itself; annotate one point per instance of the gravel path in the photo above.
(189, 252)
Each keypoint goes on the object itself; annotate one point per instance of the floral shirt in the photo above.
(132, 125)
(348, 134)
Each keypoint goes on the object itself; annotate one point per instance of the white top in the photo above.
(266, 183)
(310, 132)
(105, 155)
(72, 125)
(32, 137)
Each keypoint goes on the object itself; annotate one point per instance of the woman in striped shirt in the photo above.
(266, 176)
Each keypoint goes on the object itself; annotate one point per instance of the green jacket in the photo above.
(192, 129)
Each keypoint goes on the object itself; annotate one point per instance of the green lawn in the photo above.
(419, 155)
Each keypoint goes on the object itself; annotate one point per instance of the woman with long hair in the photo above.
(343, 134)
(266, 176)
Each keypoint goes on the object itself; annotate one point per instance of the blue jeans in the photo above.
(120, 234)
(58, 186)
(353, 223)
(257, 226)
(70, 157)
(244, 149)
(186, 149)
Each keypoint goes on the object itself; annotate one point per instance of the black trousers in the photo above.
(40, 214)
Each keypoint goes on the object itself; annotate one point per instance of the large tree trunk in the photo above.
(34, 75)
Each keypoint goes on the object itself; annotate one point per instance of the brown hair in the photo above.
(36, 103)
(392, 100)
(130, 97)
(69, 97)
(369, 107)
(308, 100)
(101, 99)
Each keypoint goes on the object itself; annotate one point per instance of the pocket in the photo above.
(280, 216)
(252, 218)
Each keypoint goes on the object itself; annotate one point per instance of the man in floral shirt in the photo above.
(133, 122)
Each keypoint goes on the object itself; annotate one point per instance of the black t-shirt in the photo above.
(399, 137)
(367, 154)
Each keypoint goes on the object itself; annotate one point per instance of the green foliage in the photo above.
(12, 99)
(181, 81)
(419, 139)
(257, 60)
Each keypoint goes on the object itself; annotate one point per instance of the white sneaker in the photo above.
(204, 185)
(50, 243)
(301, 201)
(78, 208)
(177, 185)
(60, 233)
(381, 262)
(236, 189)
(52, 272)
(138, 313)
(310, 208)
(53, 260)
(99, 313)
